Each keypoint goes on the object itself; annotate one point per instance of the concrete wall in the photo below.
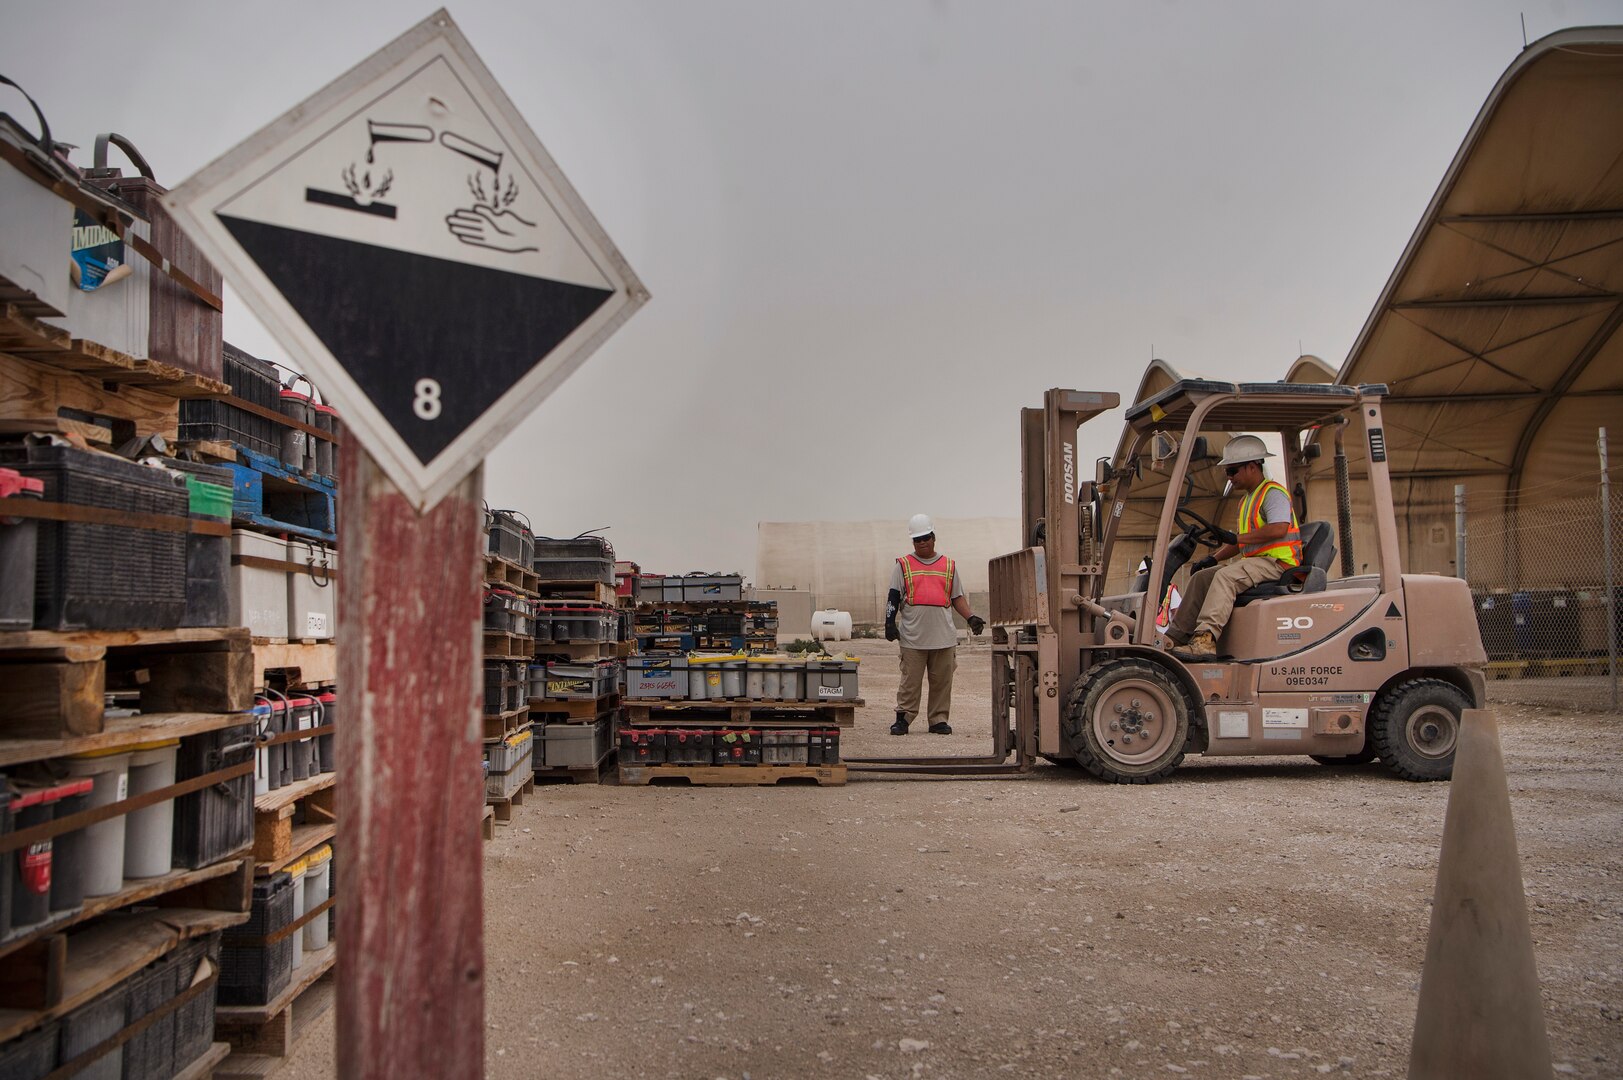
(846, 564)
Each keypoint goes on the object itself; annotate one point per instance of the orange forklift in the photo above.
(1343, 669)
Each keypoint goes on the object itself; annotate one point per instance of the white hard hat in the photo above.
(1243, 448)
(919, 525)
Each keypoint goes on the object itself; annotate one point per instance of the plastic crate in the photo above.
(151, 1054)
(194, 1021)
(565, 568)
(710, 588)
(581, 682)
(254, 974)
(576, 746)
(31, 1056)
(657, 677)
(208, 558)
(105, 577)
(87, 1026)
(252, 379)
(218, 820)
(507, 536)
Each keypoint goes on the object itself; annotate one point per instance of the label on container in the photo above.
(34, 864)
(97, 250)
(123, 786)
(315, 624)
(831, 691)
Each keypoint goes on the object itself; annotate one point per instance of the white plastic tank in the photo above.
(831, 625)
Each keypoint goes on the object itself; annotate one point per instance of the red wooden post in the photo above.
(411, 964)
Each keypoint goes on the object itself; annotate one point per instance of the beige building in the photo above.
(846, 564)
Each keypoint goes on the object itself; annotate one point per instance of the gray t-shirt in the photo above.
(926, 627)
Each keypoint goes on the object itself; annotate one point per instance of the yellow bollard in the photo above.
(1481, 1015)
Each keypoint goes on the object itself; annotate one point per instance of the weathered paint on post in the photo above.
(411, 969)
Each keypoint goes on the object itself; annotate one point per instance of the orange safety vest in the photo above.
(1287, 550)
(927, 584)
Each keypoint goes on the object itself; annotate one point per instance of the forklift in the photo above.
(1344, 670)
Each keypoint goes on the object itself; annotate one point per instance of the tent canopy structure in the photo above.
(1497, 331)
(1496, 334)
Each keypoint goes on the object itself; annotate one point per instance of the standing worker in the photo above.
(924, 589)
(1267, 537)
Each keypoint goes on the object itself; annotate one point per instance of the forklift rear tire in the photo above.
(1416, 728)
(1128, 721)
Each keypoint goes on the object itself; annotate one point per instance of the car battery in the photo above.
(689, 747)
(737, 748)
(642, 746)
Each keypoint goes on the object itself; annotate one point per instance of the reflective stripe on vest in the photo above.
(1287, 549)
(927, 584)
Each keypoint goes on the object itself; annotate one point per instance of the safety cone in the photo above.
(1480, 1015)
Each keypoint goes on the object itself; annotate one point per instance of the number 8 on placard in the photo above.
(427, 402)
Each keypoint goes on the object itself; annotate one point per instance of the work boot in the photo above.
(940, 728)
(900, 726)
(1201, 647)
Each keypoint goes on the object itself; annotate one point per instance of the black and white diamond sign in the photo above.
(408, 240)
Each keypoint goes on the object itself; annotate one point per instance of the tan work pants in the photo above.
(940, 663)
(1209, 600)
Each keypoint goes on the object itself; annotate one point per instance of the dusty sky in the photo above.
(872, 230)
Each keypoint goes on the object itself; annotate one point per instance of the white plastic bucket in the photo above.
(297, 873)
(317, 887)
(103, 851)
(149, 834)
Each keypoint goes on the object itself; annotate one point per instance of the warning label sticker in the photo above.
(1284, 718)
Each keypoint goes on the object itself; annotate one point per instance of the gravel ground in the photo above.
(1253, 918)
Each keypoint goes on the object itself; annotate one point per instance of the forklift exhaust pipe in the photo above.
(1343, 501)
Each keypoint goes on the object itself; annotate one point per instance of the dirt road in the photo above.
(1258, 919)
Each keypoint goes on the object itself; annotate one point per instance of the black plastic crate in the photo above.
(567, 568)
(581, 547)
(151, 1054)
(194, 1021)
(208, 558)
(105, 577)
(87, 1027)
(254, 974)
(252, 379)
(218, 820)
(31, 1056)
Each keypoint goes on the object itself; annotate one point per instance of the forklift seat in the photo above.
(1318, 551)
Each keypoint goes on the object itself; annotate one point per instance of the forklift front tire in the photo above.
(1128, 722)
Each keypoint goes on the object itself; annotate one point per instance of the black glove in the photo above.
(891, 633)
(1228, 537)
(976, 625)
(1201, 564)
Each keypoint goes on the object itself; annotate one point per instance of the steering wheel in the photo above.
(1200, 529)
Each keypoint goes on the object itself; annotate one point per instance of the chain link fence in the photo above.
(1546, 577)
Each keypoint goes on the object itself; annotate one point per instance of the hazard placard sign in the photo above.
(415, 249)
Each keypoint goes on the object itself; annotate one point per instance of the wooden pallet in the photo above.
(584, 650)
(731, 775)
(583, 774)
(41, 965)
(262, 1035)
(500, 645)
(594, 592)
(76, 968)
(487, 822)
(25, 336)
(505, 572)
(294, 665)
(278, 839)
(502, 725)
(504, 807)
(544, 708)
(52, 683)
(740, 713)
(267, 494)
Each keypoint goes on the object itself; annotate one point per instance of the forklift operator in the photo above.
(1266, 535)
